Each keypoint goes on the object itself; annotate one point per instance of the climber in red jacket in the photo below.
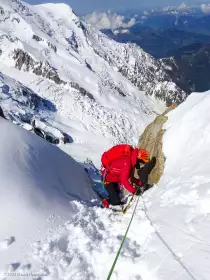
(118, 168)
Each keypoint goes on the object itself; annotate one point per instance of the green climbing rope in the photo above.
(118, 253)
(129, 204)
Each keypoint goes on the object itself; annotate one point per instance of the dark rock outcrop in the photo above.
(154, 80)
(53, 47)
(190, 67)
(25, 62)
(83, 91)
(2, 113)
(151, 140)
(37, 38)
(50, 136)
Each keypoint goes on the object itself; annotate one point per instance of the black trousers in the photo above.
(114, 194)
(144, 172)
(114, 191)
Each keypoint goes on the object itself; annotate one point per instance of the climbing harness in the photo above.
(124, 237)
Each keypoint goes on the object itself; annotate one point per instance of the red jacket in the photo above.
(121, 170)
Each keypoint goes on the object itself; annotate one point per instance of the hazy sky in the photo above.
(88, 6)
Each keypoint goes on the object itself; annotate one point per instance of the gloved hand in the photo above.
(141, 189)
(105, 204)
(148, 186)
(138, 190)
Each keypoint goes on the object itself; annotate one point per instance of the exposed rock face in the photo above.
(149, 75)
(52, 135)
(25, 62)
(25, 102)
(83, 91)
(37, 38)
(53, 47)
(151, 140)
(189, 67)
(2, 113)
(80, 44)
(28, 110)
(145, 72)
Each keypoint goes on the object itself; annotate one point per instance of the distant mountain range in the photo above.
(198, 23)
(161, 32)
(190, 67)
(159, 43)
(58, 75)
(181, 41)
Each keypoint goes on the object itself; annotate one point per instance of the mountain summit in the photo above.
(51, 42)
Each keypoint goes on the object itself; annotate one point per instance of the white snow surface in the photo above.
(92, 101)
(112, 110)
(51, 226)
(170, 240)
(38, 181)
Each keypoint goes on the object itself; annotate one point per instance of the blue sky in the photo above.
(88, 6)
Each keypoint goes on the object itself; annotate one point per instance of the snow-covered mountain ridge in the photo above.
(38, 181)
(50, 41)
(95, 85)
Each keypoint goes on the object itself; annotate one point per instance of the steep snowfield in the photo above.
(72, 79)
(95, 90)
(38, 181)
(180, 205)
(169, 237)
(90, 79)
(51, 54)
(92, 127)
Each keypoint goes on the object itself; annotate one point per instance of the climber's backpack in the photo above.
(115, 153)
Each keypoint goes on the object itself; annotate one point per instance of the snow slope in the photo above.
(97, 91)
(170, 240)
(180, 205)
(49, 51)
(74, 79)
(38, 181)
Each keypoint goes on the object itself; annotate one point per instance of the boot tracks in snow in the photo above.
(124, 237)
